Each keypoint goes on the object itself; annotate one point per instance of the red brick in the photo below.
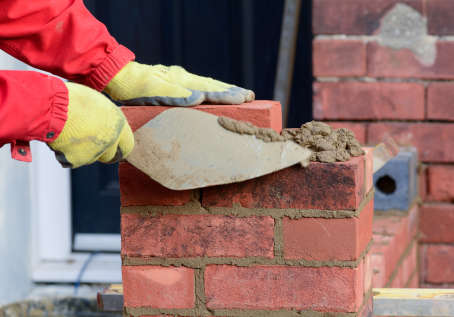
(378, 269)
(158, 287)
(440, 183)
(329, 186)
(364, 101)
(368, 309)
(138, 189)
(439, 266)
(352, 16)
(337, 58)
(436, 223)
(392, 235)
(359, 129)
(331, 289)
(433, 140)
(328, 239)
(388, 62)
(414, 283)
(262, 113)
(197, 235)
(440, 17)
(439, 101)
(406, 269)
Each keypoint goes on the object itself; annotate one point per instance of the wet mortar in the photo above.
(328, 145)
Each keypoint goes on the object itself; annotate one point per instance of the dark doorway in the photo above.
(236, 41)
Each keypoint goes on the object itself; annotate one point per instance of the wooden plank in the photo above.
(287, 48)
(111, 299)
(413, 302)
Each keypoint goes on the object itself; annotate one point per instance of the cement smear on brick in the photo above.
(404, 27)
(329, 145)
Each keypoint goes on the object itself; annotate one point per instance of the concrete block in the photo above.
(396, 184)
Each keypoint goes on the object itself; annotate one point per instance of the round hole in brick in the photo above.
(386, 184)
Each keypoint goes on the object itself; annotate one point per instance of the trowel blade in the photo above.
(186, 148)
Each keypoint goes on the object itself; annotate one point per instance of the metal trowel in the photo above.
(186, 148)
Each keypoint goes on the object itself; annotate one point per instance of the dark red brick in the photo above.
(329, 186)
(433, 140)
(388, 62)
(436, 223)
(438, 264)
(158, 287)
(359, 129)
(363, 101)
(328, 239)
(337, 58)
(439, 101)
(441, 183)
(440, 17)
(138, 189)
(354, 17)
(332, 289)
(262, 113)
(197, 235)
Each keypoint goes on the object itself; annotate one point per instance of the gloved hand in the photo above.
(96, 130)
(139, 84)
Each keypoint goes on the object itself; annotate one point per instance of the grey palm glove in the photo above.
(159, 85)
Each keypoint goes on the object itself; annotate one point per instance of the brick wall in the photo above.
(386, 67)
(296, 241)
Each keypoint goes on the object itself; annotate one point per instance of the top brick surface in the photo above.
(262, 113)
(353, 17)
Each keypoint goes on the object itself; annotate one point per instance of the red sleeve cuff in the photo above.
(58, 111)
(112, 64)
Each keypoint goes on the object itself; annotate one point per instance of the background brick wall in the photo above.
(387, 67)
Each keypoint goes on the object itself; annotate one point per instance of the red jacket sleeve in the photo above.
(61, 37)
(33, 106)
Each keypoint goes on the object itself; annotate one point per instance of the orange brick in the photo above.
(332, 289)
(328, 239)
(329, 186)
(262, 113)
(197, 235)
(158, 287)
(138, 189)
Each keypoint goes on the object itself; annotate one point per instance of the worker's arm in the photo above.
(80, 124)
(61, 37)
